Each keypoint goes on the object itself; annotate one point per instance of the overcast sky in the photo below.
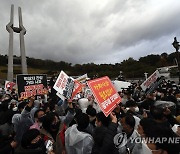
(98, 31)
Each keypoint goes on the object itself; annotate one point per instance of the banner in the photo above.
(31, 85)
(77, 89)
(64, 85)
(105, 94)
(150, 80)
(82, 78)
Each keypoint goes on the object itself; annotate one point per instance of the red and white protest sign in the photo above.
(9, 85)
(150, 80)
(77, 88)
(105, 94)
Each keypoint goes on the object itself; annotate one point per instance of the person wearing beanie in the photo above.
(31, 143)
(77, 140)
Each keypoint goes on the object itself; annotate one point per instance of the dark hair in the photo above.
(48, 119)
(131, 103)
(82, 121)
(36, 112)
(157, 112)
(22, 105)
(147, 125)
(103, 119)
(156, 130)
(129, 119)
(91, 111)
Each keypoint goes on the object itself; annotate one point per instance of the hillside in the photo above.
(131, 68)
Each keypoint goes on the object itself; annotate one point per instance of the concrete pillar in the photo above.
(22, 44)
(10, 52)
(22, 31)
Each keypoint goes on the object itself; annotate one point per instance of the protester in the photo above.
(38, 117)
(31, 143)
(54, 128)
(22, 121)
(104, 135)
(77, 140)
(78, 126)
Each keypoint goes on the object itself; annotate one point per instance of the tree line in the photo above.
(130, 67)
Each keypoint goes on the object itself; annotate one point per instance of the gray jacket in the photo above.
(21, 123)
(77, 142)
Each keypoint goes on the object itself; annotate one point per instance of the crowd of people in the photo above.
(47, 124)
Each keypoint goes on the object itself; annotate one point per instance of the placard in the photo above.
(105, 94)
(31, 85)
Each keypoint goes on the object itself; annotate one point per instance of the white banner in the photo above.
(82, 78)
(150, 80)
(64, 85)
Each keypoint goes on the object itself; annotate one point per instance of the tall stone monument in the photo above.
(22, 31)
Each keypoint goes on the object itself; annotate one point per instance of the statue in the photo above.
(176, 44)
(22, 31)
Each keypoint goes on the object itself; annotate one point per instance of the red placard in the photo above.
(105, 93)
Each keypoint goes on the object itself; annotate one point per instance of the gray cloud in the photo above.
(82, 31)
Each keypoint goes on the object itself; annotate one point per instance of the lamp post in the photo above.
(176, 46)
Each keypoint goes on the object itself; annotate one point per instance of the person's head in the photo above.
(145, 127)
(149, 128)
(132, 105)
(102, 120)
(117, 110)
(21, 106)
(13, 105)
(151, 96)
(157, 113)
(91, 112)
(51, 122)
(128, 123)
(31, 139)
(82, 121)
(38, 115)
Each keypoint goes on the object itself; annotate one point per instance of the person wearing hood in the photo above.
(22, 121)
(77, 140)
(38, 117)
(37, 105)
(83, 104)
